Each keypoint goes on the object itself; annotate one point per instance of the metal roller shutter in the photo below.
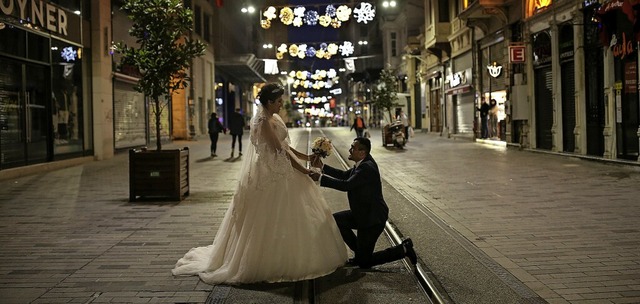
(544, 107)
(464, 113)
(568, 106)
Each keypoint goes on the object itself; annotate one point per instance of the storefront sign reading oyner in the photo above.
(40, 13)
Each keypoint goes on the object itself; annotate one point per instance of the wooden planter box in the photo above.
(160, 175)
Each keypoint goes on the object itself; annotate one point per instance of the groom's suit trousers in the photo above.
(365, 242)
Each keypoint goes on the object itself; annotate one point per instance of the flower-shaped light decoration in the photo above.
(332, 48)
(332, 16)
(342, 13)
(330, 11)
(286, 15)
(364, 13)
(265, 24)
(299, 11)
(302, 51)
(279, 56)
(293, 50)
(324, 50)
(311, 17)
(346, 48)
(324, 20)
(270, 13)
(332, 73)
(310, 52)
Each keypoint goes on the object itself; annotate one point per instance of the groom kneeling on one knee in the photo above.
(368, 211)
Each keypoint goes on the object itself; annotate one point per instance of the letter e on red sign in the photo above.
(517, 54)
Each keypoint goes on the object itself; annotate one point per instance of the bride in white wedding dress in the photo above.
(278, 226)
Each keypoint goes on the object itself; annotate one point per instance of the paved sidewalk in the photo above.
(71, 236)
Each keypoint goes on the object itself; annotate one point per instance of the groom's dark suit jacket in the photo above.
(364, 190)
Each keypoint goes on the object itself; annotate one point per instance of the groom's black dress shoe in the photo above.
(409, 252)
(351, 263)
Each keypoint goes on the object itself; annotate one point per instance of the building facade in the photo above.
(64, 93)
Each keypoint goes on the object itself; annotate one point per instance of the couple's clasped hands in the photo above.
(316, 167)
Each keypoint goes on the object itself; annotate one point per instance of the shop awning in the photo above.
(459, 90)
(242, 68)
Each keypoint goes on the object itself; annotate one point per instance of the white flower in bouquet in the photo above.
(321, 147)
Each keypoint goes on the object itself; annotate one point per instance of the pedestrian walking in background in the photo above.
(493, 119)
(236, 128)
(215, 128)
(484, 119)
(358, 124)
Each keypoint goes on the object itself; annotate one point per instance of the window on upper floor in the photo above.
(197, 19)
(428, 19)
(443, 11)
(207, 28)
(394, 44)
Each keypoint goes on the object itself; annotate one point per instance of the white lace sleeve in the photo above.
(270, 151)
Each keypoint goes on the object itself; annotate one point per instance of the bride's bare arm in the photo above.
(296, 165)
(300, 155)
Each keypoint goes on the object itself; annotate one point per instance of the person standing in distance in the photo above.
(236, 128)
(358, 124)
(215, 127)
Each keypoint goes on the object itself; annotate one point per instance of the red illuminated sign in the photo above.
(517, 54)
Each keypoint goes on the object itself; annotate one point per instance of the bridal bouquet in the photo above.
(321, 147)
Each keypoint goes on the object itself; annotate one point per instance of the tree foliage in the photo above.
(165, 50)
(385, 91)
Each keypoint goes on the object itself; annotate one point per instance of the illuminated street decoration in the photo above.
(317, 75)
(324, 50)
(332, 16)
(364, 13)
(68, 54)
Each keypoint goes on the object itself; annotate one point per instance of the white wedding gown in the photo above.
(278, 226)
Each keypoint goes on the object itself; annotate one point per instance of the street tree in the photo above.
(385, 92)
(164, 49)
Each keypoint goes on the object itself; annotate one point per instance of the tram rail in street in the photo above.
(394, 236)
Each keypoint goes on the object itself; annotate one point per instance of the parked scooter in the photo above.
(398, 137)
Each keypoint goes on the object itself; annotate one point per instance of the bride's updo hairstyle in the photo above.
(270, 92)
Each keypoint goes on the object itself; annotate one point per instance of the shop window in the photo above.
(17, 47)
(38, 47)
(66, 97)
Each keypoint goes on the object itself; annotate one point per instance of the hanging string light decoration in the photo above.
(320, 79)
(324, 50)
(332, 16)
(317, 75)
